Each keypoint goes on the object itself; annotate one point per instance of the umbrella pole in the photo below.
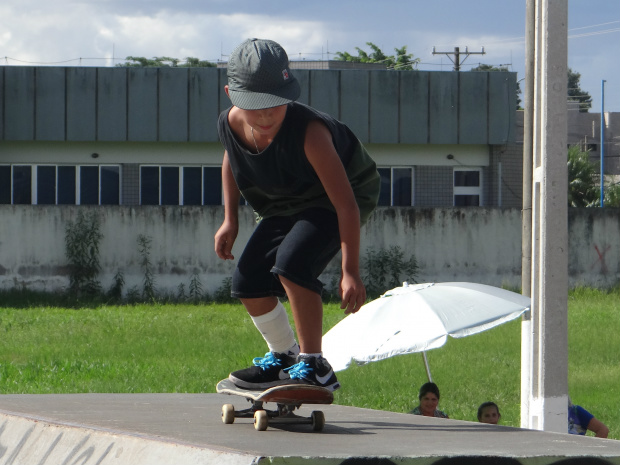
(428, 371)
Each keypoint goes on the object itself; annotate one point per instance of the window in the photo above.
(149, 185)
(60, 185)
(174, 185)
(396, 186)
(5, 184)
(110, 185)
(99, 185)
(66, 185)
(170, 185)
(89, 185)
(467, 187)
(192, 185)
(46, 185)
(22, 185)
(212, 193)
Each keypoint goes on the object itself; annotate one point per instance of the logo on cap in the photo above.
(285, 74)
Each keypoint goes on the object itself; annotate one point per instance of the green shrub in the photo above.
(82, 239)
(383, 270)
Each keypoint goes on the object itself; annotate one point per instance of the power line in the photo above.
(513, 39)
(122, 60)
(594, 25)
(595, 33)
(605, 31)
(54, 62)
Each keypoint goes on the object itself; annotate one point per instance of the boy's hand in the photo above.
(224, 240)
(353, 293)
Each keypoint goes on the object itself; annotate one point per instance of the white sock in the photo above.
(276, 330)
(320, 354)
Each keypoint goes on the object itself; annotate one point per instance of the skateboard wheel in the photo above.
(260, 420)
(318, 420)
(228, 414)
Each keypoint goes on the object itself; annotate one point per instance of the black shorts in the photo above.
(298, 247)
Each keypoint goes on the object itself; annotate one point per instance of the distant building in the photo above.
(584, 129)
(147, 136)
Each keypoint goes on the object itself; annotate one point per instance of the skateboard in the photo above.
(287, 397)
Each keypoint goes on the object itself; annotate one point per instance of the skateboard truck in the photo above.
(284, 414)
(288, 398)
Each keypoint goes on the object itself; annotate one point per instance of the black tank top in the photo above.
(281, 181)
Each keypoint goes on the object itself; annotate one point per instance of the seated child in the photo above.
(488, 412)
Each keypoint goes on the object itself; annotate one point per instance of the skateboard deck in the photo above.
(287, 397)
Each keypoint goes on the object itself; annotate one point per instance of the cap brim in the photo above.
(247, 100)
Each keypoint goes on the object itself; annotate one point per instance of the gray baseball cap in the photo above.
(259, 76)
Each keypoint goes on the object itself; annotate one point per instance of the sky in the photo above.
(105, 32)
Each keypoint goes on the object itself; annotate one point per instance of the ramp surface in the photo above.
(180, 429)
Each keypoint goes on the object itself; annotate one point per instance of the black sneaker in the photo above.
(268, 371)
(313, 370)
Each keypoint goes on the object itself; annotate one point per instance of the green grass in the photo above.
(121, 349)
(188, 348)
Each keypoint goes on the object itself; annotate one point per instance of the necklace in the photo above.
(254, 139)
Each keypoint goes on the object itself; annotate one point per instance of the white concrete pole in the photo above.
(526, 212)
(544, 396)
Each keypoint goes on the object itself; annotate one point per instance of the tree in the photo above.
(612, 195)
(402, 61)
(164, 62)
(575, 94)
(584, 188)
(483, 67)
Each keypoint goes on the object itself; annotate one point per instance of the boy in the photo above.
(313, 184)
(580, 421)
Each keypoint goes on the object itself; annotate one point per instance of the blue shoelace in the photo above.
(299, 370)
(268, 361)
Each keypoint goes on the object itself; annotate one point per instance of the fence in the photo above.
(450, 244)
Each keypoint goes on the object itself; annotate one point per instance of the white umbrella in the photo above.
(416, 318)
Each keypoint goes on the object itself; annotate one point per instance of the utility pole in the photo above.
(526, 218)
(544, 362)
(457, 56)
(602, 148)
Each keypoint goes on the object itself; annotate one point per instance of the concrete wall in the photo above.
(450, 244)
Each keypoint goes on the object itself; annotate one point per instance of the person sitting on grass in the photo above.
(580, 421)
(429, 399)
(488, 412)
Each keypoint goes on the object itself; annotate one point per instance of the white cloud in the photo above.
(210, 37)
(5, 38)
(295, 36)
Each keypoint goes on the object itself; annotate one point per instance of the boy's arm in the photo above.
(322, 155)
(226, 235)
